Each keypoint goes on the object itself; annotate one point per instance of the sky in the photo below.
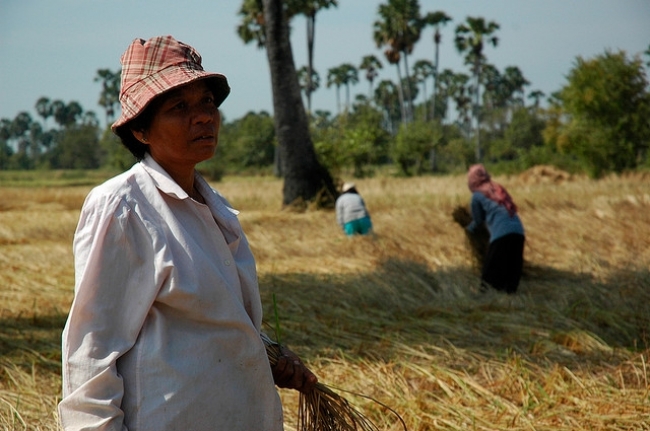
(53, 48)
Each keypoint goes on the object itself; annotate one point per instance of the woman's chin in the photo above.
(206, 151)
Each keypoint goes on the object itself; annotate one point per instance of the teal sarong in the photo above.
(360, 226)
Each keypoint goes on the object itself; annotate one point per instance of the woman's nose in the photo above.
(205, 113)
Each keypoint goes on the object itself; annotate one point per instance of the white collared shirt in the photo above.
(350, 207)
(164, 329)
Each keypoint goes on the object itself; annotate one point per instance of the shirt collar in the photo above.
(166, 184)
(161, 178)
(223, 213)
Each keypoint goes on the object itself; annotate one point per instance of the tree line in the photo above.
(429, 119)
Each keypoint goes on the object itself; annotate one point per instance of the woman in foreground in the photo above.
(164, 332)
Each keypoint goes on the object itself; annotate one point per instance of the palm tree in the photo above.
(444, 83)
(72, 112)
(89, 118)
(251, 27)
(370, 64)
(399, 29)
(305, 179)
(21, 124)
(460, 93)
(497, 97)
(44, 109)
(309, 8)
(503, 90)
(5, 130)
(388, 99)
(109, 98)
(307, 84)
(35, 137)
(516, 82)
(436, 19)
(393, 57)
(495, 94)
(470, 39)
(422, 70)
(58, 112)
(536, 95)
(5, 149)
(336, 77)
(349, 75)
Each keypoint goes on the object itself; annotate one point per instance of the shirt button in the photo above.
(226, 262)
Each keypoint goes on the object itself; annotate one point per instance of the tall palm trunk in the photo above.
(347, 96)
(305, 179)
(311, 26)
(400, 93)
(338, 100)
(435, 75)
(408, 88)
(478, 110)
(433, 160)
(425, 111)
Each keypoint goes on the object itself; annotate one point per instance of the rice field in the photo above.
(395, 322)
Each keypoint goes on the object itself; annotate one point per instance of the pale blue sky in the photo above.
(54, 48)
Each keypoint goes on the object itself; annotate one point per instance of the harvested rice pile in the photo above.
(544, 174)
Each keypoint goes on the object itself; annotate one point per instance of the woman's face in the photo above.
(185, 127)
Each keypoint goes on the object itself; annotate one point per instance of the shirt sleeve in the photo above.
(478, 213)
(339, 212)
(115, 287)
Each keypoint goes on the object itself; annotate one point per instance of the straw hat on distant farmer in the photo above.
(347, 187)
(492, 204)
(351, 212)
(164, 332)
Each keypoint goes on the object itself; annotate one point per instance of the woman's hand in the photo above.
(291, 373)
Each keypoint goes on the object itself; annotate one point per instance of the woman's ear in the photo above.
(140, 136)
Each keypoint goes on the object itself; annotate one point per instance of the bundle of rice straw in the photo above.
(324, 410)
(477, 241)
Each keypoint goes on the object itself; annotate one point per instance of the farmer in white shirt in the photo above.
(164, 330)
(351, 212)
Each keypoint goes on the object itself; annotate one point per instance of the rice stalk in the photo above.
(478, 240)
(322, 409)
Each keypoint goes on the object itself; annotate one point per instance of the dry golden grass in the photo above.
(396, 316)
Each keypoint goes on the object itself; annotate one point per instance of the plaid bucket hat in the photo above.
(157, 65)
